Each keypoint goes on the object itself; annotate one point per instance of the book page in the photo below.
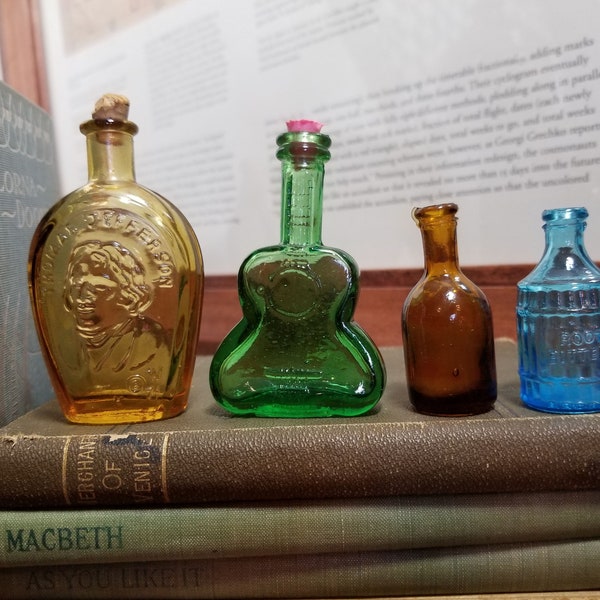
(489, 105)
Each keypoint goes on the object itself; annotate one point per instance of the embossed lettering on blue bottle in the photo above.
(558, 321)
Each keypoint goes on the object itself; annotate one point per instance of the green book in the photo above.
(294, 527)
(28, 186)
(509, 568)
(207, 455)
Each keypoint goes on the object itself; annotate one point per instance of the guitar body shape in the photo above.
(297, 352)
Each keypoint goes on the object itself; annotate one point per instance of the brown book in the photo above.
(206, 455)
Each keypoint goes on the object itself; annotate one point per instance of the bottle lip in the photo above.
(435, 212)
(303, 147)
(322, 140)
(561, 214)
(94, 125)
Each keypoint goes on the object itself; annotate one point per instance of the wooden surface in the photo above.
(379, 309)
(21, 50)
(590, 595)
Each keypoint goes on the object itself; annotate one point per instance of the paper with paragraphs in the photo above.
(491, 107)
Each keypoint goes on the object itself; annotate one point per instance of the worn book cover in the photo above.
(276, 528)
(28, 187)
(491, 568)
(208, 455)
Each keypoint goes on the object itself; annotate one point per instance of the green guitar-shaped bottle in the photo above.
(297, 352)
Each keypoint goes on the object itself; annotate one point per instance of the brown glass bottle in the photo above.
(447, 327)
(116, 280)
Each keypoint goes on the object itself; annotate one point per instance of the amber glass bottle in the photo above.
(116, 280)
(447, 327)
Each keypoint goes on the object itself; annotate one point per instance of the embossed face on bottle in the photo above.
(107, 294)
(105, 287)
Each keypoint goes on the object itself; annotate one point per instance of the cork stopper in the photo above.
(304, 125)
(111, 107)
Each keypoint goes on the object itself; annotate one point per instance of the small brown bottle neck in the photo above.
(440, 248)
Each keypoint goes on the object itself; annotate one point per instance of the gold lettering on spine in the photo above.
(163, 469)
(112, 479)
(142, 484)
(86, 457)
(65, 462)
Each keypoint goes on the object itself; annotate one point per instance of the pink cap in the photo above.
(304, 125)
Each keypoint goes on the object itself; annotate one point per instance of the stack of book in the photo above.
(207, 505)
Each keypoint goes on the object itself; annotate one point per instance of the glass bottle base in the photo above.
(113, 411)
(564, 396)
(296, 408)
(459, 405)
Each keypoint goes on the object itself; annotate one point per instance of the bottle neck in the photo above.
(109, 150)
(438, 232)
(565, 247)
(302, 205)
(564, 234)
(303, 157)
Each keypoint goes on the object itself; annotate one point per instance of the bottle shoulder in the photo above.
(441, 295)
(447, 282)
(307, 256)
(126, 194)
(563, 269)
(119, 200)
(130, 215)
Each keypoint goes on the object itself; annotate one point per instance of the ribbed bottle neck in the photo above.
(303, 156)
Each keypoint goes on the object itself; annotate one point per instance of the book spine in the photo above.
(28, 186)
(512, 568)
(302, 527)
(503, 455)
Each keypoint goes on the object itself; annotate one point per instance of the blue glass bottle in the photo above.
(558, 321)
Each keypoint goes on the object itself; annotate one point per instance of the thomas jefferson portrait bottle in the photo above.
(558, 321)
(297, 351)
(116, 281)
(447, 327)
